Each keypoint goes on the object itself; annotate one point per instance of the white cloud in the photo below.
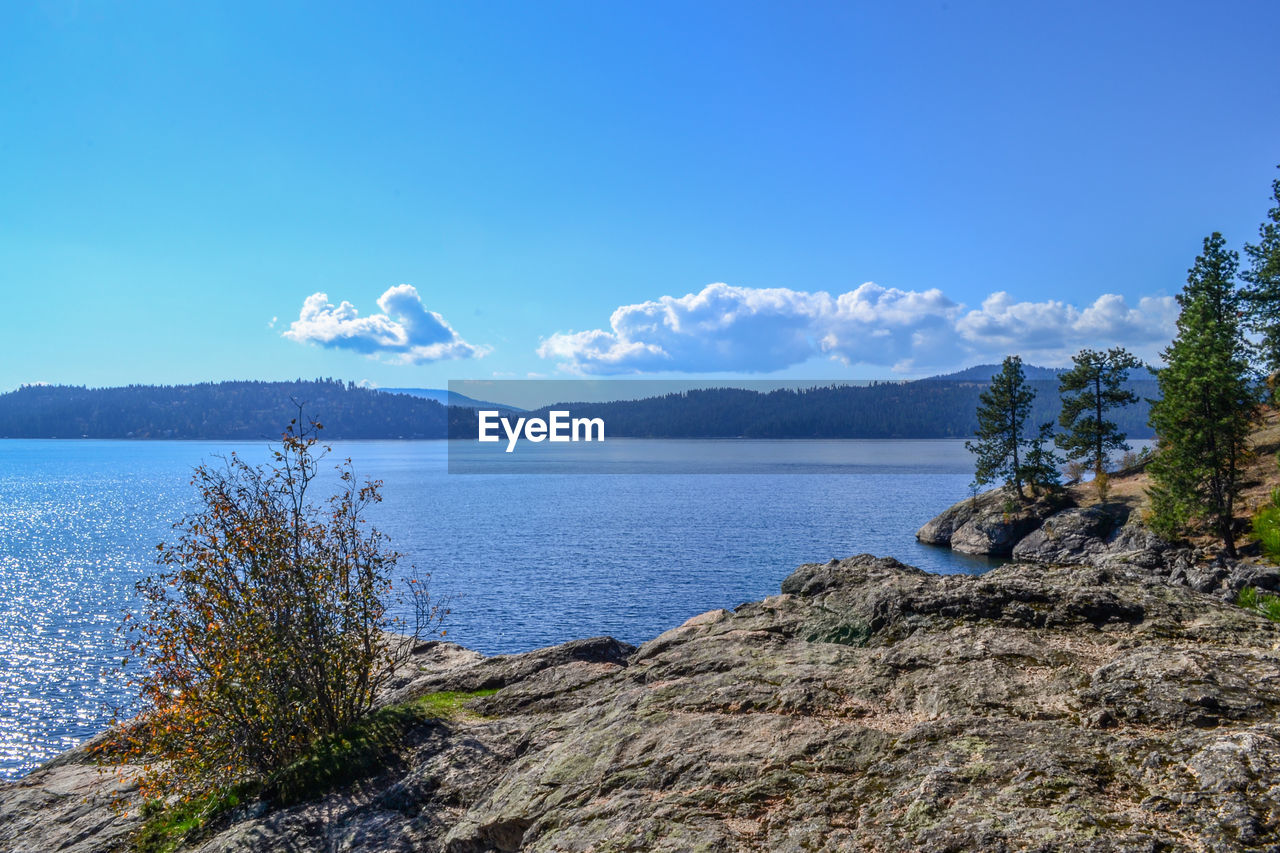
(404, 333)
(1052, 330)
(743, 329)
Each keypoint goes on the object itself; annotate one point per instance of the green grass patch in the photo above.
(1266, 529)
(165, 829)
(1260, 602)
(448, 703)
(364, 749)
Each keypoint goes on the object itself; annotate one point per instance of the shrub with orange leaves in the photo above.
(269, 625)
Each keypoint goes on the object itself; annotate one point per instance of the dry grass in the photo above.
(1261, 474)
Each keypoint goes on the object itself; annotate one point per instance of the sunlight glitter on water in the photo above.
(526, 560)
(72, 542)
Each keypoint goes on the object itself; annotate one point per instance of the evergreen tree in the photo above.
(1041, 467)
(1094, 385)
(1002, 412)
(1263, 293)
(1208, 403)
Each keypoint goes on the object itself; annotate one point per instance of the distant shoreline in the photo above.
(922, 409)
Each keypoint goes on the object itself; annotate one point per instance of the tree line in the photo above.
(214, 410)
(1219, 371)
(942, 407)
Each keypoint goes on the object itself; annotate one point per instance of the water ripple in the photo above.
(527, 560)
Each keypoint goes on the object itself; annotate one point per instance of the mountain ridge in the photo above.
(941, 407)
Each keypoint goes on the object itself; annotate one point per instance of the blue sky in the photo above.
(606, 188)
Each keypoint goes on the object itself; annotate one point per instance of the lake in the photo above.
(526, 559)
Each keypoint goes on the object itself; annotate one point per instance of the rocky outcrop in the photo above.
(870, 706)
(939, 530)
(1097, 535)
(998, 524)
(1068, 536)
(989, 524)
(1102, 535)
(66, 805)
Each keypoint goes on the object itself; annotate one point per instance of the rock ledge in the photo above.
(870, 706)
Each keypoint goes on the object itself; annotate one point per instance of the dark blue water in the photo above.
(527, 560)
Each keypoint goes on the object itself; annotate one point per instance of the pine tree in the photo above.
(1262, 296)
(1208, 403)
(1002, 412)
(1094, 385)
(1041, 467)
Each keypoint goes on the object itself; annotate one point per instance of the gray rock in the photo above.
(990, 524)
(994, 533)
(446, 666)
(1044, 532)
(941, 529)
(870, 706)
(67, 805)
(1071, 536)
(1240, 575)
(938, 530)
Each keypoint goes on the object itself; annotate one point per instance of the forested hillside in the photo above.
(236, 410)
(927, 408)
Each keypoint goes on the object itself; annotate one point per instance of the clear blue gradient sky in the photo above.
(177, 181)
